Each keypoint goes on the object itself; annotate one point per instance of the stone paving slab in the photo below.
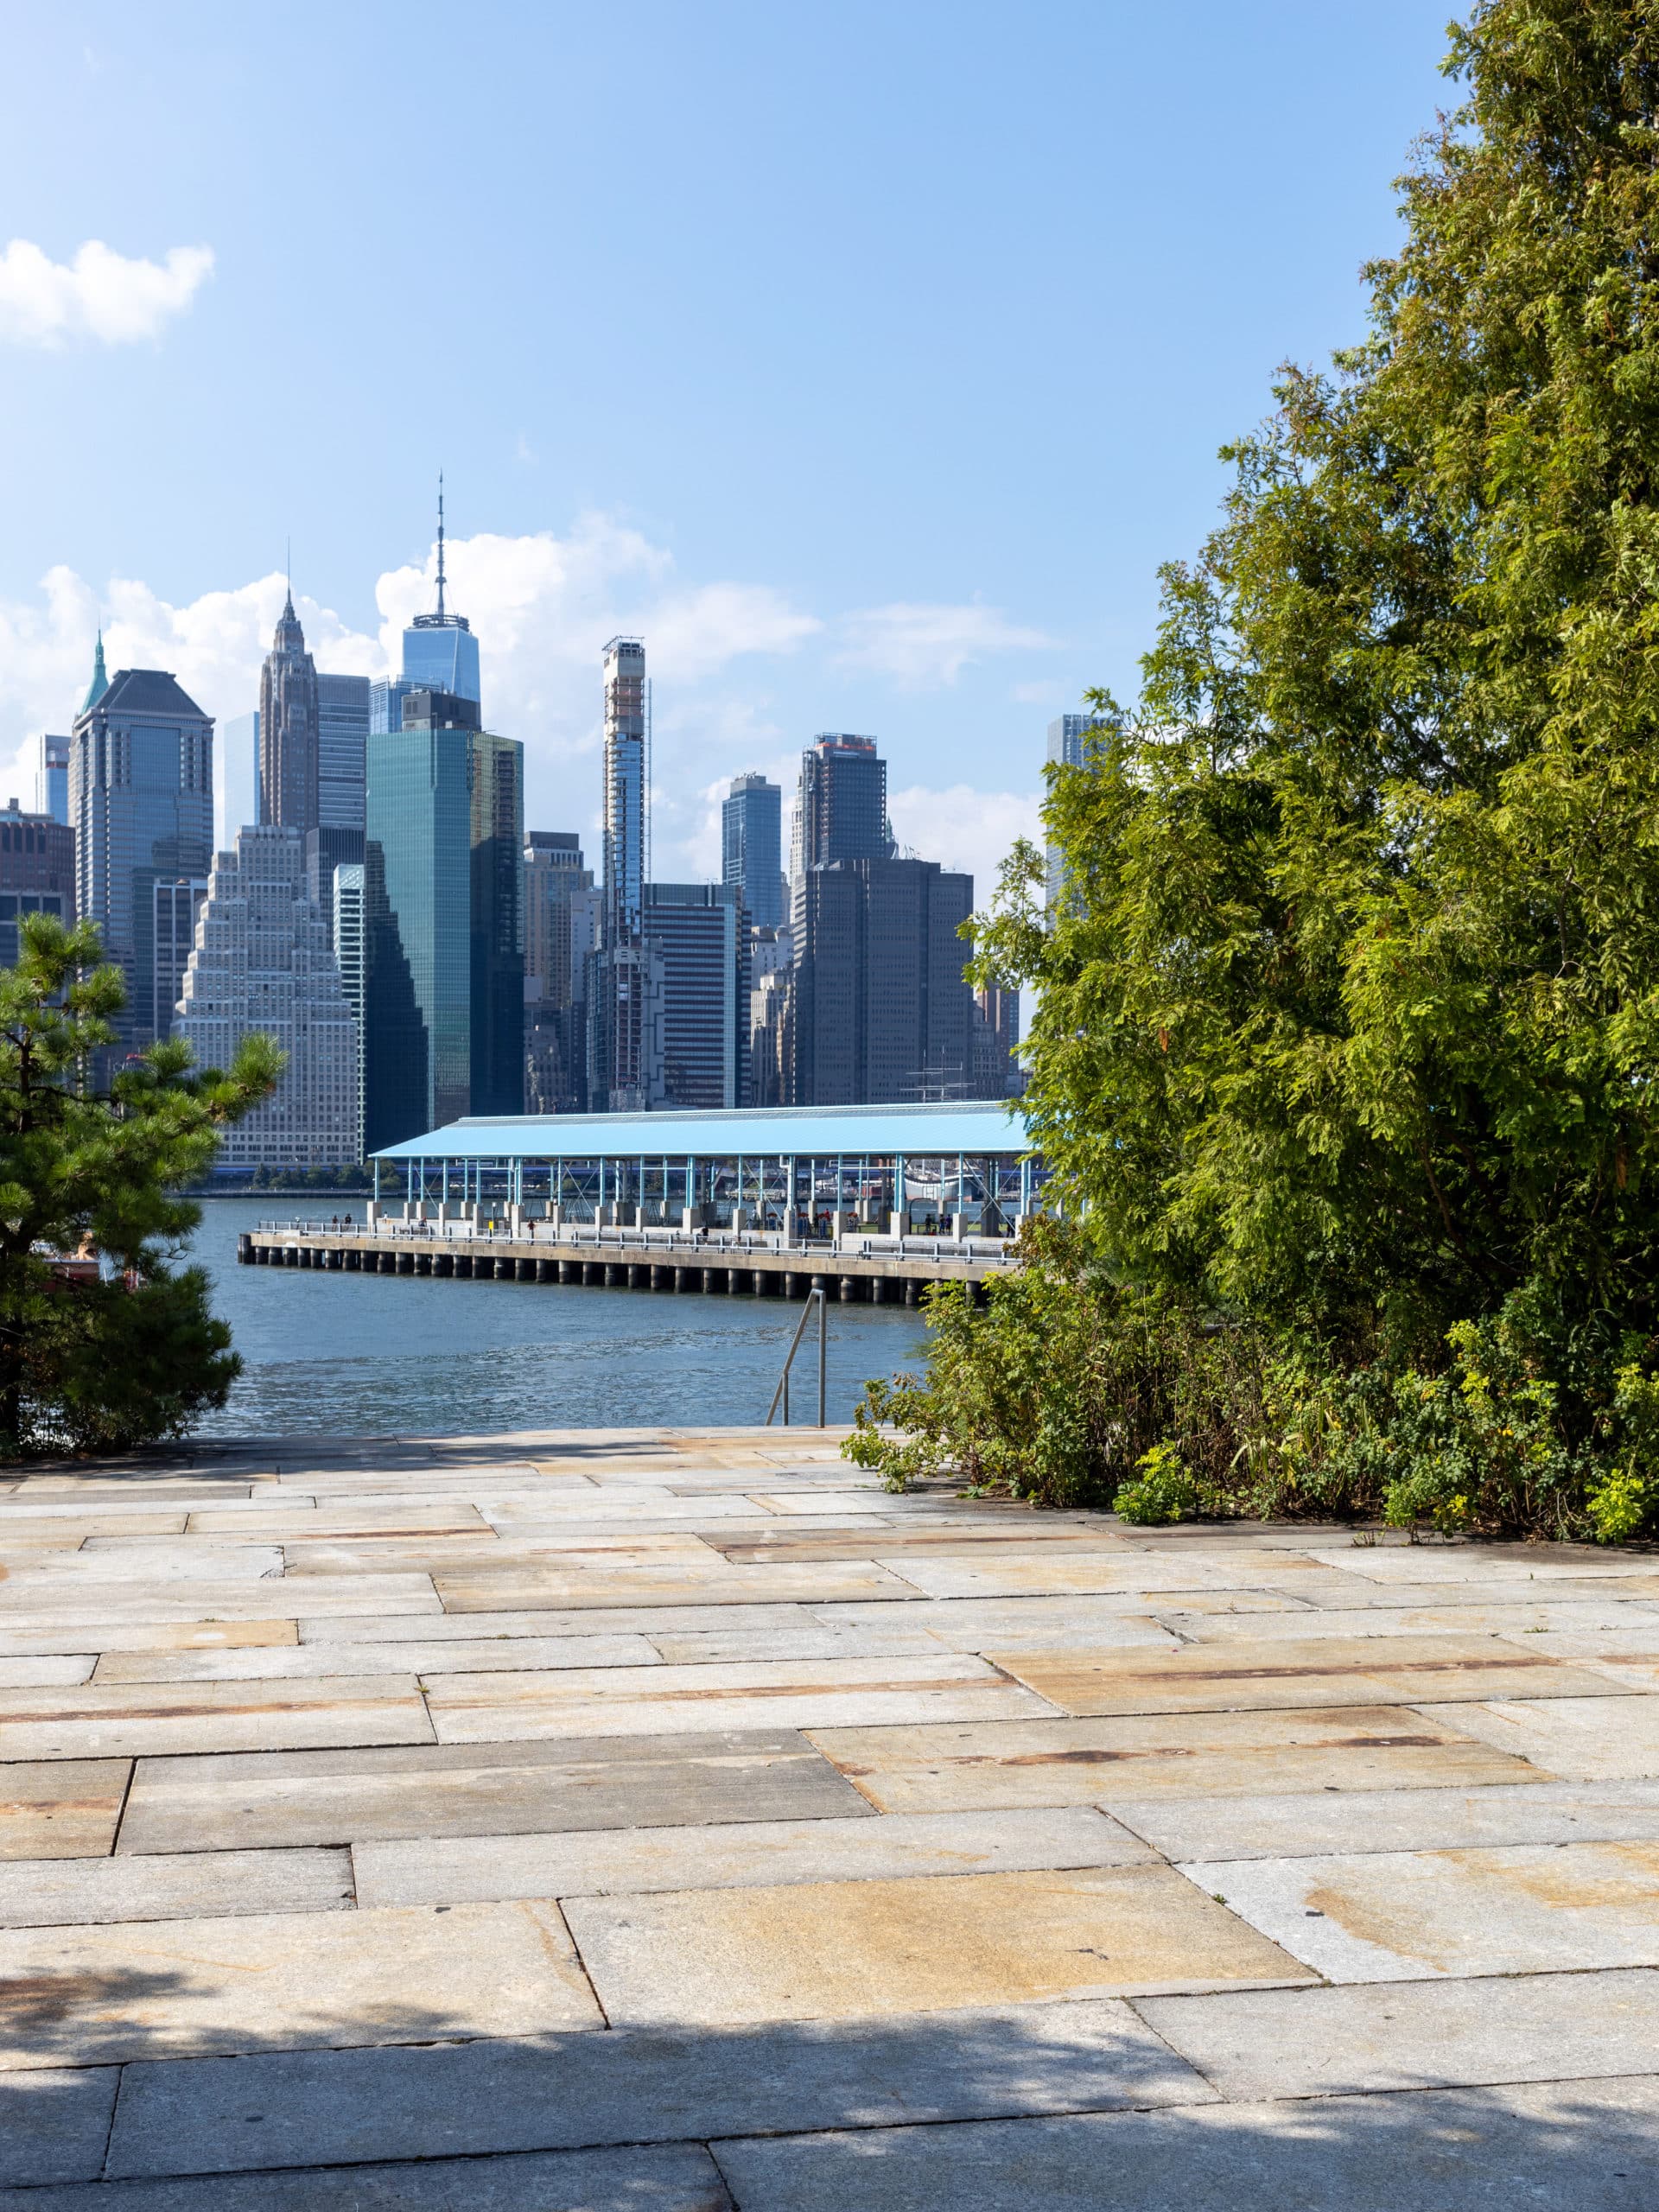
(1047, 1622)
(192, 1885)
(633, 2086)
(1531, 1618)
(838, 1949)
(102, 1721)
(1315, 1671)
(1056, 1572)
(1305, 1823)
(85, 1996)
(109, 1603)
(674, 2177)
(610, 1862)
(285, 1662)
(274, 1798)
(465, 1591)
(1417, 2035)
(55, 2130)
(736, 1644)
(827, 1693)
(1583, 2147)
(1394, 1916)
(1610, 1738)
(146, 1636)
(45, 1673)
(61, 1809)
(580, 1622)
(943, 1769)
(151, 1561)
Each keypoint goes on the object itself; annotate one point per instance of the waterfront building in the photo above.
(289, 739)
(261, 962)
(698, 929)
(37, 872)
(141, 803)
(1068, 738)
(881, 1008)
(917, 1165)
(752, 847)
(52, 778)
(177, 902)
(561, 932)
(443, 919)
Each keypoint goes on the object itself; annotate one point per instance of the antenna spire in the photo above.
(440, 545)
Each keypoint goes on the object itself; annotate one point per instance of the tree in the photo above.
(103, 1364)
(1348, 1023)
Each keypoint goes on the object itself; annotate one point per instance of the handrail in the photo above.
(782, 1391)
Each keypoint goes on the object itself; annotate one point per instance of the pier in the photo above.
(881, 1270)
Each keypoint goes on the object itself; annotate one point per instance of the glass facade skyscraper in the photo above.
(141, 803)
(52, 778)
(842, 811)
(750, 841)
(1067, 743)
(443, 925)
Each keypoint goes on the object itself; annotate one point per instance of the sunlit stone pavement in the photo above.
(669, 1821)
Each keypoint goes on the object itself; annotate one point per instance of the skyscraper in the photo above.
(621, 1068)
(842, 811)
(342, 772)
(440, 651)
(235, 778)
(262, 962)
(177, 902)
(498, 924)
(698, 929)
(52, 778)
(37, 872)
(289, 740)
(141, 803)
(349, 934)
(443, 923)
(1067, 744)
(561, 931)
(752, 847)
(882, 1011)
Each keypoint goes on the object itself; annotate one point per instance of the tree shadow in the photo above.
(1067, 2107)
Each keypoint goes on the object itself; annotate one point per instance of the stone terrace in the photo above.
(669, 1820)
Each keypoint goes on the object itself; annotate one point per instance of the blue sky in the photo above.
(868, 359)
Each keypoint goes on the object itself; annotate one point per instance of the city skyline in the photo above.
(917, 481)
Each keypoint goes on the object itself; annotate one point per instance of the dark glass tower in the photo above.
(141, 804)
(752, 847)
(843, 812)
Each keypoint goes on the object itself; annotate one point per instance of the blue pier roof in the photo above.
(807, 1132)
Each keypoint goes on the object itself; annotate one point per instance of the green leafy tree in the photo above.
(103, 1364)
(1348, 1026)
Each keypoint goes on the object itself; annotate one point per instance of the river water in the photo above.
(350, 1355)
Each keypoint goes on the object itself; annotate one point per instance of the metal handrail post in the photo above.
(824, 1338)
(795, 1342)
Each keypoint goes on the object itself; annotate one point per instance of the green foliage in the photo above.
(100, 1365)
(1347, 1031)
(1162, 1491)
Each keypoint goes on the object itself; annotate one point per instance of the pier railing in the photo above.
(860, 1245)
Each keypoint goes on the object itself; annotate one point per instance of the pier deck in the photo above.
(671, 1822)
(876, 1269)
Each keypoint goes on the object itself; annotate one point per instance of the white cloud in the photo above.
(921, 646)
(963, 828)
(100, 294)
